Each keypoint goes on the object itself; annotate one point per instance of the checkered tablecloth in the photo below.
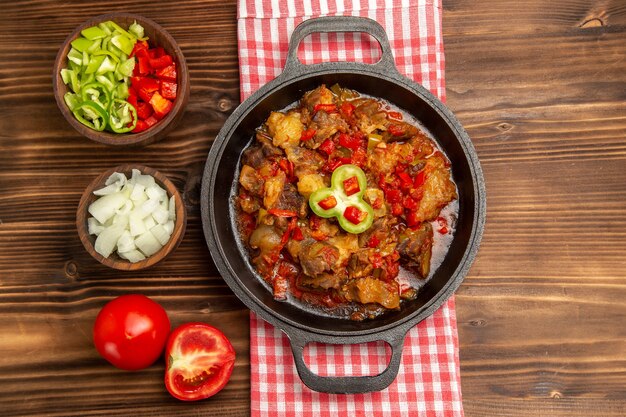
(428, 383)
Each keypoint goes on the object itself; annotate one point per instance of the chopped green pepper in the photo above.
(94, 63)
(82, 44)
(91, 115)
(93, 32)
(344, 200)
(123, 43)
(72, 100)
(96, 92)
(136, 29)
(107, 66)
(75, 56)
(122, 116)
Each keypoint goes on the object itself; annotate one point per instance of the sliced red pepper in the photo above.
(393, 196)
(297, 234)
(420, 179)
(397, 209)
(409, 203)
(162, 62)
(159, 52)
(139, 45)
(354, 215)
(150, 121)
(144, 110)
(328, 146)
(282, 213)
(348, 141)
(160, 105)
(405, 178)
(329, 202)
(132, 98)
(351, 186)
(394, 115)
(168, 73)
(307, 134)
(147, 87)
(143, 65)
(396, 130)
(373, 242)
(140, 127)
(443, 225)
(412, 220)
(333, 164)
(359, 157)
(347, 108)
(169, 90)
(328, 108)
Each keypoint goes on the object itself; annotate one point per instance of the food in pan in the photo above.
(343, 204)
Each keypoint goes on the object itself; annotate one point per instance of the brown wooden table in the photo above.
(541, 89)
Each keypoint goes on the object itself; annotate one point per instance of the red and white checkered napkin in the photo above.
(428, 383)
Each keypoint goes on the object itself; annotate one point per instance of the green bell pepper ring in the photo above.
(96, 92)
(344, 200)
(91, 115)
(122, 116)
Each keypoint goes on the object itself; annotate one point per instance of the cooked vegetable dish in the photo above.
(336, 196)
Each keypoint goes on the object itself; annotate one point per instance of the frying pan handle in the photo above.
(347, 384)
(339, 24)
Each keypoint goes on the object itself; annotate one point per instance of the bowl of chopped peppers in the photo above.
(121, 79)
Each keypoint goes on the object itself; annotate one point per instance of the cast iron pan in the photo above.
(382, 80)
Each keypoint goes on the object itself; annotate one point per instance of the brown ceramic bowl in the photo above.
(157, 37)
(114, 261)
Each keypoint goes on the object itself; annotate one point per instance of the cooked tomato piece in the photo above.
(199, 361)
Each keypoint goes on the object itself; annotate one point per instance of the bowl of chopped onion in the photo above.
(121, 79)
(131, 217)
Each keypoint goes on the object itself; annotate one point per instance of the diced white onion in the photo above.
(131, 216)
(135, 220)
(149, 206)
(138, 193)
(125, 243)
(107, 240)
(104, 207)
(156, 193)
(148, 244)
(160, 216)
(149, 222)
(132, 256)
(116, 178)
(121, 220)
(94, 226)
(161, 234)
(169, 226)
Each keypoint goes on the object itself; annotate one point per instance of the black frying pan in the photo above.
(382, 80)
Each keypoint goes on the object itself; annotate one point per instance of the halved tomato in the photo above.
(199, 360)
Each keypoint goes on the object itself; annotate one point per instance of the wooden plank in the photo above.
(541, 313)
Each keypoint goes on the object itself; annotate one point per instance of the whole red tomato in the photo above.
(199, 360)
(130, 331)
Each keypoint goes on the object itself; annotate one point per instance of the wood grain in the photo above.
(541, 314)
(540, 87)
